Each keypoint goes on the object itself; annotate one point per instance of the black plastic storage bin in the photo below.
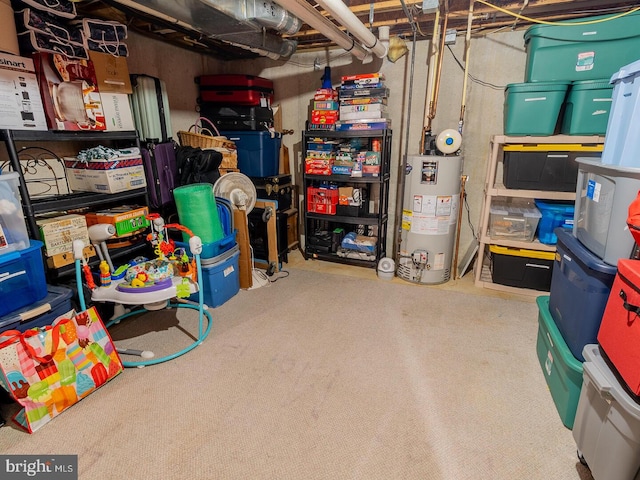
(544, 167)
(517, 267)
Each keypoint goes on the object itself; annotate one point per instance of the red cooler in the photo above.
(619, 334)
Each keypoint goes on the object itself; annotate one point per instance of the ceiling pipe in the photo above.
(345, 17)
(305, 12)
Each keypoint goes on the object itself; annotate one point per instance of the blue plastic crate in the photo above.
(23, 278)
(580, 287)
(220, 278)
(41, 313)
(554, 215)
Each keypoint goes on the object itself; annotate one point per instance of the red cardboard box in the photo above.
(69, 91)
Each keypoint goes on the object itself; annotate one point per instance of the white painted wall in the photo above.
(497, 59)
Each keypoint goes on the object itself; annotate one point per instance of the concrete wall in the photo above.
(495, 60)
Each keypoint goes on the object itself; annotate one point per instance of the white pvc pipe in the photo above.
(343, 15)
(305, 12)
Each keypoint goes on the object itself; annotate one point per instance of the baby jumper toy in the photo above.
(149, 284)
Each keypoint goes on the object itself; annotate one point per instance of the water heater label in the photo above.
(433, 214)
(593, 190)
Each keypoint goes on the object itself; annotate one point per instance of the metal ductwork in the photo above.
(237, 22)
(266, 13)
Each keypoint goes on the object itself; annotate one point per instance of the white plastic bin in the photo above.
(603, 195)
(621, 143)
(607, 423)
(13, 228)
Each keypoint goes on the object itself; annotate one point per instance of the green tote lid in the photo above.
(602, 84)
(538, 87)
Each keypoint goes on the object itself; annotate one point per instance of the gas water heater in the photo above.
(429, 218)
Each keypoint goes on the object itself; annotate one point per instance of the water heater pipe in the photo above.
(429, 113)
(463, 104)
(305, 12)
(345, 17)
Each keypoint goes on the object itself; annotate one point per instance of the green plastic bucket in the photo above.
(197, 210)
(533, 108)
(587, 108)
(583, 49)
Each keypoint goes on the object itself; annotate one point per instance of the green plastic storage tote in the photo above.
(562, 371)
(582, 49)
(533, 108)
(587, 108)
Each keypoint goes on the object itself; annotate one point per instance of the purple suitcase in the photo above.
(161, 171)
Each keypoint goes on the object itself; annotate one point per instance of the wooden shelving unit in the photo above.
(495, 188)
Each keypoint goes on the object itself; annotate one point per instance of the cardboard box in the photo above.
(63, 259)
(106, 181)
(126, 219)
(117, 112)
(20, 102)
(70, 92)
(58, 233)
(112, 73)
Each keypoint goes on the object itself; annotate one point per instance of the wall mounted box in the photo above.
(607, 422)
(581, 52)
(41, 313)
(587, 108)
(580, 287)
(562, 371)
(533, 108)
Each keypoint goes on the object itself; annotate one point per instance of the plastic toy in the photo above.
(150, 284)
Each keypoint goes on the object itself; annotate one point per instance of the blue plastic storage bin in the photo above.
(220, 278)
(57, 302)
(258, 152)
(580, 287)
(554, 215)
(23, 278)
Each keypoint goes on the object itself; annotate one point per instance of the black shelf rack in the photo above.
(374, 221)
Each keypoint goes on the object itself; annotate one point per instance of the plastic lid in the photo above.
(528, 211)
(560, 207)
(566, 241)
(601, 84)
(538, 87)
(607, 381)
(626, 71)
(522, 252)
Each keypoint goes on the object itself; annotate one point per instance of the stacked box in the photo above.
(363, 103)
(125, 219)
(59, 233)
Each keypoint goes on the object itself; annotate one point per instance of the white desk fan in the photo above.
(241, 193)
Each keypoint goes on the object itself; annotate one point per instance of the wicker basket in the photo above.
(203, 138)
(229, 157)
